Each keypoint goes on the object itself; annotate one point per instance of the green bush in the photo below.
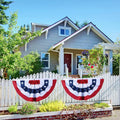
(13, 108)
(52, 106)
(28, 108)
(101, 105)
(116, 58)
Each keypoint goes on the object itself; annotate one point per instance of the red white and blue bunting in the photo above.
(82, 89)
(34, 90)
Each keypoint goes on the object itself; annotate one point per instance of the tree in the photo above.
(4, 5)
(10, 56)
(81, 25)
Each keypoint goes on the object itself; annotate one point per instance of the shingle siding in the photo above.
(53, 60)
(83, 41)
(40, 44)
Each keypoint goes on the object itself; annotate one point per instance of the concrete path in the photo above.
(115, 116)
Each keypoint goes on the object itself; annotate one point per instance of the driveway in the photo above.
(115, 116)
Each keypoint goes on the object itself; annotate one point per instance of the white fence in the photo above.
(110, 90)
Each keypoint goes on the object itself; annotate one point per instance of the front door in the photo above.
(67, 60)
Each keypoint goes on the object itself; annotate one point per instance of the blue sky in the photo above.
(105, 14)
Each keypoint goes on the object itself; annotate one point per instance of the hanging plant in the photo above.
(85, 53)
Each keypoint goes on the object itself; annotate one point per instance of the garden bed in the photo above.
(99, 112)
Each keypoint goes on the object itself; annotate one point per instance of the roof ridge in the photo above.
(61, 20)
(84, 27)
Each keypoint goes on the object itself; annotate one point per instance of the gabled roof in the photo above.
(93, 27)
(60, 21)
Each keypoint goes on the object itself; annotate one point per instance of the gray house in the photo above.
(63, 42)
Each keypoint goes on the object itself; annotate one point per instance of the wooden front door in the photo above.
(67, 60)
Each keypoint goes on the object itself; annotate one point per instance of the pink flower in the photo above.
(89, 64)
(92, 66)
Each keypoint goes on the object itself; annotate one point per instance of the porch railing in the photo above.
(66, 70)
(80, 71)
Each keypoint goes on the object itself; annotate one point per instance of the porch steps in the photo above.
(74, 76)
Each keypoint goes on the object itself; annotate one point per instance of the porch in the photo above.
(70, 61)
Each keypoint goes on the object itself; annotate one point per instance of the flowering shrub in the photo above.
(94, 63)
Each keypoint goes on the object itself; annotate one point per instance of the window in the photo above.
(79, 60)
(64, 31)
(45, 59)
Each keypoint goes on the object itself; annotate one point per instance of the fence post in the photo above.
(79, 71)
(3, 89)
(66, 70)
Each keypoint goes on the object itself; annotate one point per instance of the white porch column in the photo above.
(104, 62)
(61, 60)
(110, 61)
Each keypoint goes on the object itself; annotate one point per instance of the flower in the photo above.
(85, 52)
(89, 64)
(106, 55)
(92, 66)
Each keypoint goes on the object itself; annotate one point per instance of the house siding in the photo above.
(40, 44)
(53, 60)
(83, 41)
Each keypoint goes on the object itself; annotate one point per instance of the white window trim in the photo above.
(61, 27)
(46, 60)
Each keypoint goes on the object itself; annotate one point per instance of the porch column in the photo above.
(61, 60)
(104, 62)
(110, 61)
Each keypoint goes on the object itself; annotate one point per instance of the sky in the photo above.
(105, 14)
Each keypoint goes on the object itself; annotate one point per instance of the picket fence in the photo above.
(110, 90)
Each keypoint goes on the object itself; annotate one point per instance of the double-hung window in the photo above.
(45, 59)
(64, 31)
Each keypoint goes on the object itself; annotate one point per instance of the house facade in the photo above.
(63, 42)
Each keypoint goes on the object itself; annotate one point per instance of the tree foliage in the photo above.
(81, 25)
(116, 60)
(10, 56)
(4, 5)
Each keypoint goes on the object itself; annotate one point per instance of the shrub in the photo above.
(101, 105)
(13, 108)
(28, 108)
(52, 106)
